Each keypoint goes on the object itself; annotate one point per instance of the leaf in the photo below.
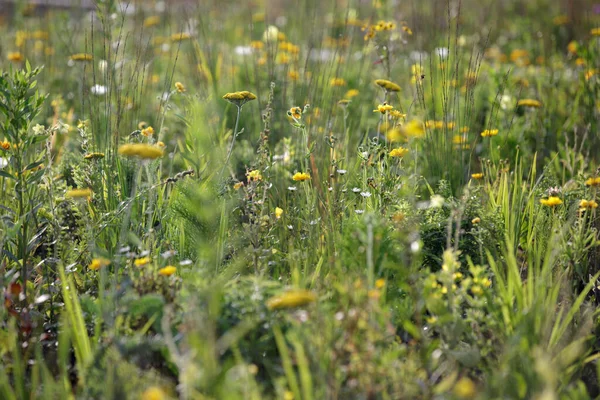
(7, 175)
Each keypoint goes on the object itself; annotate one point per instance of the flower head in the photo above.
(81, 57)
(583, 204)
(239, 98)
(179, 86)
(301, 176)
(278, 212)
(478, 175)
(254, 175)
(399, 152)
(93, 156)
(529, 103)
(388, 86)
(98, 263)
(15, 56)
(291, 299)
(141, 150)
(167, 271)
(551, 201)
(295, 112)
(79, 193)
(140, 262)
(337, 82)
(383, 108)
(149, 131)
(593, 181)
(489, 132)
(5, 145)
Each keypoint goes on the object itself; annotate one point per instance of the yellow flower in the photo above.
(238, 185)
(291, 299)
(167, 271)
(239, 98)
(397, 114)
(380, 283)
(257, 44)
(154, 393)
(583, 204)
(476, 290)
(278, 212)
(337, 82)
(178, 37)
(478, 175)
(293, 75)
(180, 87)
(593, 181)
(254, 175)
(301, 176)
(141, 150)
(399, 152)
(595, 32)
(465, 389)
(93, 156)
(551, 201)
(413, 128)
(15, 56)
(489, 132)
(529, 103)
(98, 263)
(351, 93)
(5, 145)
(476, 220)
(79, 193)
(151, 21)
(149, 131)
(388, 86)
(81, 57)
(140, 262)
(295, 112)
(383, 108)
(572, 47)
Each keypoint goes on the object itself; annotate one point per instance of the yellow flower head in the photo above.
(397, 114)
(337, 82)
(380, 283)
(489, 132)
(583, 204)
(295, 112)
(465, 388)
(149, 131)
(551, 201)
(5, 145)
(154, 393)
(399, 152)
(413, 128)
(278, 212)
(476, 220)
(151, 21)
(140, 262)
(141, 150)
(98, 263)
(301, 176)
(254, 175)
(351, 93)
(81, 57)
(15, 56)
(167, 271)
(478, 175)
(93, 156)
(595, 32)
(239, 98)
(593, 181)
(383, 108)
(178, 37)
(388, 86)
(179, 86)
(291, 299)
(79, 193)
(238, 185)
(529, 103)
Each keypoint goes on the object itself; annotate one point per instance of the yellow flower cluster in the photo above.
(551, 201)
(399, 152)
(15, 56)
(439, 124)
(336, 82)
(149, 131)
(5, 145)
(93, 156)
(254, 176)
(82, 57)
(140, 262)
(141, 150)
(301, 176)
(239, 98)
(388, 86)
(478, 175)
(98, 263)
(529, 103)
(384, 108)
(584, 204)
(489, 132)
(167, 271)
(179, 86)
(79, 193)
(291, 299)
(593, 181)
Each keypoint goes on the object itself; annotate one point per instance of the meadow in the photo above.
(300, 200)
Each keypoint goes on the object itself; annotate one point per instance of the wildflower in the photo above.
(595, 32)
(388, 86)
(39, 129)
(238, 185)
(93, 156)
(394, 135)
(397, 114)
(399, 152)
(383, 108)
(380, 283)
(413, 128)
(593, 181)
(529, 103)
(167, 271)
(583, 204)
(476, 290)
(476, 220)
(79, 193)
(572, 47)
(374, 294)
(140, 262)
(291, 299)
(301, 176)
(254, 175)
(239, 98)
(457, 276)
(351, 93)
(337, 82)
(179, 37)
(98, 263)
(465, 388)
(141, 150)
(257, 45)
(15, 56)
(551, 201)
(149, 131)
(81, 57)
(151, 21)
(295, 112)
(271, 34)
(478, 175)
(161, 144)
(180, 87)
(294, 75)
(489, 132)
(560, 20)
(154, 393)
(278, 212)
(5, 145)
(344, 103)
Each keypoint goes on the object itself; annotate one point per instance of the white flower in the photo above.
(3, 162)
(61, 128)
(243, 50)
(39, 129)
(341, 171)
(271, 34)
(436, 201)
(506, 102)
(356, 190)
(292, 188)
(99, 90)
(365, 194)
(442, 52)
(359, 211)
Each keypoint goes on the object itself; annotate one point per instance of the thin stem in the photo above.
(235, 133)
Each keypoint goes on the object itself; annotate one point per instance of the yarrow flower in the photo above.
(239, 98)
(291, 299)
(489, 132)
(478, 175)
(141, 150)
(81, 57)
(551, 201)
(98, 263)
(79, 193)
(399, 152)
(93, 156)
(383, 108)
(388, 86)
(140, 262)
(149, 131)
(529, 103)
(167, 271)
(301, 176)
(5, 145)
